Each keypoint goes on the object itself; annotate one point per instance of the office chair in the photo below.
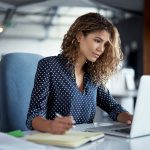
(17, 71)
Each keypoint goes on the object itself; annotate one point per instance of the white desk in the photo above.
(109, 142)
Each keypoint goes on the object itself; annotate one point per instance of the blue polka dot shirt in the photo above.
(55, 91)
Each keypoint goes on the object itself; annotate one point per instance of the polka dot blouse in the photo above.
(55, 91)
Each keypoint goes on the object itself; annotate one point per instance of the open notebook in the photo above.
(70, 139)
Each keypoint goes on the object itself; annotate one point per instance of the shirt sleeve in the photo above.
(107, 103)
(40, 93)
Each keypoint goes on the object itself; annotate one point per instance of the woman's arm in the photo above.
(38, 105)
(106, 102)
(40, 93)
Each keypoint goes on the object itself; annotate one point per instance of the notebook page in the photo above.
(70, 139)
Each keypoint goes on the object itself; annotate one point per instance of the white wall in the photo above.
(45, 48)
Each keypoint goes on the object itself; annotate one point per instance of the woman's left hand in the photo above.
(125, 117)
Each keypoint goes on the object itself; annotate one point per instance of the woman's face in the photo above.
(92, 46)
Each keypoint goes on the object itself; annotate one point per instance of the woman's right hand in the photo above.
(60, 125)
(57, 126)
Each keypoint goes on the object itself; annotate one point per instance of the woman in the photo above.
(73, 83)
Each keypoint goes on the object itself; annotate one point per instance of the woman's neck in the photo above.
(80, 63)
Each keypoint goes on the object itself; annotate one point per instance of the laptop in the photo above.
(140, 125)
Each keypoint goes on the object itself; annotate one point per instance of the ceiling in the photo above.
(135, 6)
(9, 8)
(20, 2)
(14, 13)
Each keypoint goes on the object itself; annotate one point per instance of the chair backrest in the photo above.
(16, 79)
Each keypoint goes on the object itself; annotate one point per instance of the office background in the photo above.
(38, 26)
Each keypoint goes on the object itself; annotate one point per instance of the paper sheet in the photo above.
(8, 142)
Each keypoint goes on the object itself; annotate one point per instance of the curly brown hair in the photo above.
(108, 62)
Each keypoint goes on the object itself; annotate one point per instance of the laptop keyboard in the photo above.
(125, 130)
(110, 127)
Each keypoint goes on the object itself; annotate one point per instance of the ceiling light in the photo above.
(1, 29)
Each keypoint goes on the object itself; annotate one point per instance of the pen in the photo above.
(58, 115)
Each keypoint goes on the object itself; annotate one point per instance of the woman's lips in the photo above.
(95, 55)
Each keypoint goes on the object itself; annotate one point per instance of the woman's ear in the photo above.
(79, 36)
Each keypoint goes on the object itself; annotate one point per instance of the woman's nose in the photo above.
(100, 48)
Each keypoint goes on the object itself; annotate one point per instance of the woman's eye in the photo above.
(98, 41)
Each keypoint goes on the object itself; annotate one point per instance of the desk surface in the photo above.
(109, 142)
